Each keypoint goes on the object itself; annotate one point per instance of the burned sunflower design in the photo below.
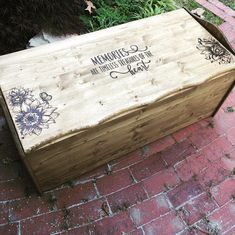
(32, 115)
(18, 96)
(213, 51)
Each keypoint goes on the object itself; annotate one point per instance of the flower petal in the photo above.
(45, 118)
(16, 108)
(37, 131)
(25, 107)
(49, 111)
(35, 104)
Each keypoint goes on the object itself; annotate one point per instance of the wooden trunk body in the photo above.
(75, 105)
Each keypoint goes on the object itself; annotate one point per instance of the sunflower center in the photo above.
(31, 119)
(17, 99)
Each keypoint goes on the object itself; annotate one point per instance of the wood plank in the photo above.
(77, 104)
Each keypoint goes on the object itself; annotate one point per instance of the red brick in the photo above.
(12, 190)
(197, 208)
(4, 208)
(148, 167)
(85, 213)
(224, 8)
(78, 231)
(223, 121)
(116, 225)
(28, 207)
(178, 152)
(214, 9)
(127, 197)
(184, 192)
(160, 145)
(224, 191)
(70, 196)
(203, 135)
(185, 132)
(165, 225)
(136, 232)
(9, 229)
(112, 183)
(160, 182)
(192, 231)
(231, 135)
(96, 173)
(225, 216)
(221, 219)
(230, 100)
(217, 148)
(149, 210)
(229, 19)
(191, 166)
(229, 33)
(126, 160)
(228, 161)
(44, 224)
(230, 231)
(215, 173)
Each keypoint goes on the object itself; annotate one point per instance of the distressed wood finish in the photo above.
(70, 111)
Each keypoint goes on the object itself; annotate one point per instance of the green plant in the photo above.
(191, 5)
(229, 3)
(110, 13)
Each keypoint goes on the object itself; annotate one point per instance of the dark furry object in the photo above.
(22, 19)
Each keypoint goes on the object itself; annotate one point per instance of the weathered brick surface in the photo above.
(184, 192)
(217, 149)
(178, 152)
(148, 210)
(231, 135)
(10, 229)
(197, 208)
(116, 225)
(215, 173)
(127, 197)
(28, 207)
(80, 193)
(161, 182)
(137, 232)
(183, 179)
(44, 224)
(221, 220)
(148, 167)
(191, 166)
(127, 160)
(77, 231)
(114, 182)
(165, 225)
(225, 191)
(85, 214)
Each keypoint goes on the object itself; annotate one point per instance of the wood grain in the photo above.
(101, 118)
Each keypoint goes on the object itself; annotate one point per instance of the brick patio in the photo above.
(182, 184)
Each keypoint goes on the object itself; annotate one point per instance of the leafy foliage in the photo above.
(110, 13)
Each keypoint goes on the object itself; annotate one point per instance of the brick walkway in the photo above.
(183, 184)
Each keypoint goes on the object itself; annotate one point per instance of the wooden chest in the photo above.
(75, 105)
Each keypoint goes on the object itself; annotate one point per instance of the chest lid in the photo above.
(57, 90)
